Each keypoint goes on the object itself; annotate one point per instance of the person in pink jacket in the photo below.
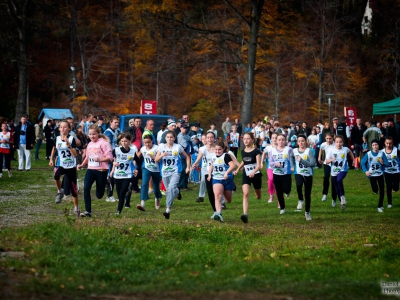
(98, 156)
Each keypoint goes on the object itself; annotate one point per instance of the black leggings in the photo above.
(327, 174)
(90, 177)
(122, 186)
(377, 182)
(392, 184)
(210, 193)
(307, 181)
(283, 184)
(7, 158)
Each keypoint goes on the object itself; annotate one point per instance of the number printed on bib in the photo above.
(250, 168)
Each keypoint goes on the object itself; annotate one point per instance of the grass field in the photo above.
(140, 255)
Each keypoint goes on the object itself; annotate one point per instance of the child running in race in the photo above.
(171, 168)
(373, 164)
(265, 155)
(251, 162)
(324, 149)
(124, 168)
(392, 172)
(303, 161)
(233, 137)
(98, 156)
(6, 142)
(66, 163)
(206, 154)
(150, 169)
(220, 172)
(279, 160)
(337, 157)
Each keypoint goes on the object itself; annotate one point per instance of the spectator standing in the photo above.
(226, 127)
(39, 136)
(24, 138)
(356, 136)
(48, 132)
(372, 133)
(391, 131)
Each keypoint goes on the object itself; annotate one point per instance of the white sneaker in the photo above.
(343, 202)
(300, 205)
(151, 192)
(333, 203)
(282, 211)
(271, 199)
(308, 216)
(389, 206)
(212, 217)
(111, 199)
(380, 209)
(323, 198)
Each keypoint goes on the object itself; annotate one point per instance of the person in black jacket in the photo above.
(24, 138)
(48, 132)
(356, 137)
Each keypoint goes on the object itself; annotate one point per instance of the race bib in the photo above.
(92, 162)
(250, 168)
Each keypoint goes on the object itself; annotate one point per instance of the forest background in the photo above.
(209, 59)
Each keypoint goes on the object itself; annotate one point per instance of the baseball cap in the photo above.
(181, 121)
(184, 125)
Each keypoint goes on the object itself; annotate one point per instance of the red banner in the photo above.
(351, 114)
(148, 107)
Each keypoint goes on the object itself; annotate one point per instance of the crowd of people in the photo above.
(143, 161)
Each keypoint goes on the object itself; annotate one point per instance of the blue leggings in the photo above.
(337, 182)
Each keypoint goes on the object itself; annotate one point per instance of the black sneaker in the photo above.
(166, 215)
(200, 199)
(179, 196)
(86, 214)
(244, 218)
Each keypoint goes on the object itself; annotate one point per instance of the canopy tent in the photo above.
(55, 114)
(387, 107)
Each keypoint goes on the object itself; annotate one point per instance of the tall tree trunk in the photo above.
(247, 106)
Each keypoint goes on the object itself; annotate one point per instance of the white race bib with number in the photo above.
(250, 168)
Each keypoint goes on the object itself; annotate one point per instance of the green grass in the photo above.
(141, 253)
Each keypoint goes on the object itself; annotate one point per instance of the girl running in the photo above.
(171, 168)
(65, 147)
(325, 147)
(251, 162)
(124, 168)
(98, 156)
(150, 169)
(372, 164)
(234, 140)
(391, 172)
(6, 139)
(303, 162)
(337, 158)
(220, 171)
(279, 161)
(265, 157)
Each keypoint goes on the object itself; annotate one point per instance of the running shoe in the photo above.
(151, 192)
(9, 173)
(218, 217)
(127, 206)
(164, 193)
(333, 203)
(157, 203)
(200, 199)
(212, 217)
(300, 205)
(111, 199)
(282, 211)
(323, 198)
(389, 206)
(118, 213)
(59, 196)
(380, 209)
(86, 214)
(166, 215)
(343, 202)
(308, 216)
(271, 199)
(77, 212)
(244, 218)
(179, 196)
(139, 207)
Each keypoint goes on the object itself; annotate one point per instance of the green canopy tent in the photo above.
(386, 108)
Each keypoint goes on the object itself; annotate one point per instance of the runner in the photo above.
(279, 161)
(124, 168)
(251, 162)
(221, 169)
(150, 169)
(325, 147)
(65, 147)
(373, 164)
(98, 156)
(233, 137)
(303, 162)
(392, 172)
(171, 165)
(112, 133)
(6, 142)
(206, 154)
(337, 157)
(265, 157)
